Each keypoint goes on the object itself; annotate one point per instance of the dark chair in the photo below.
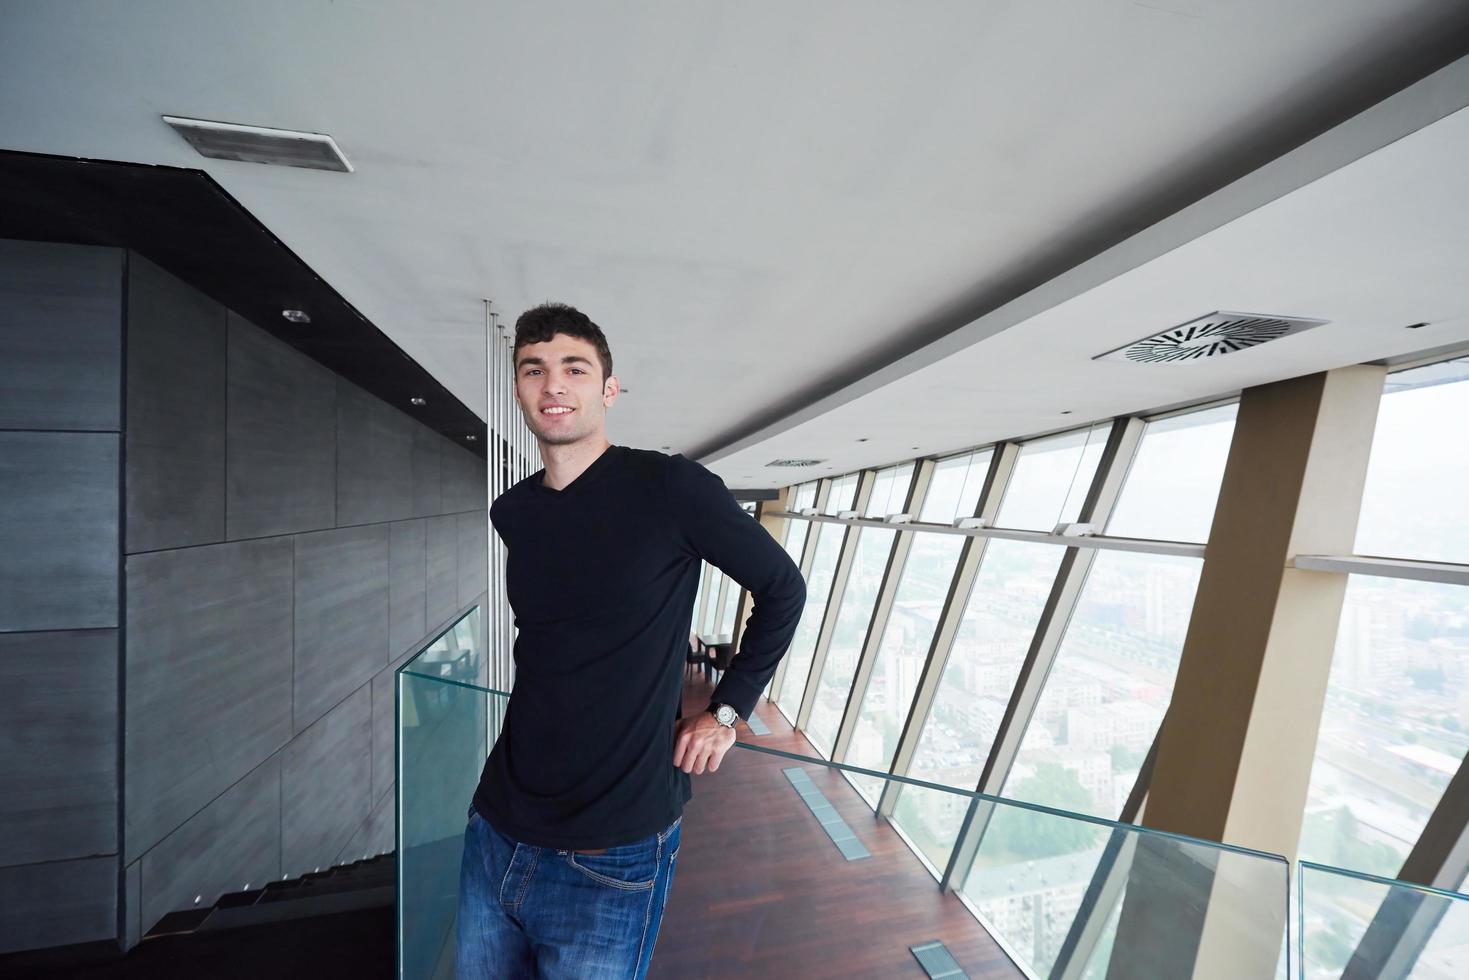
(717, 660)
(694, 659)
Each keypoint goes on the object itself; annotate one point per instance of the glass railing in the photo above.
(801, 878)
(1361, 927)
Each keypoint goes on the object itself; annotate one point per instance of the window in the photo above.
(1051, 479)
(901, 654)
(1413, 502)
(818, 591)
(1109, 686)
(1000, 619)
(1173, 483)
(1395, 725)
(954, 488)
(874, 547)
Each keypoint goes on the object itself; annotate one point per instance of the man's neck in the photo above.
(565, 463)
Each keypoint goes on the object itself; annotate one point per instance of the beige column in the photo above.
(1235, 751)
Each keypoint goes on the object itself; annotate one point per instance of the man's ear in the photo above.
(610, 388)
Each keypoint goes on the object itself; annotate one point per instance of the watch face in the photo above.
(725, 715)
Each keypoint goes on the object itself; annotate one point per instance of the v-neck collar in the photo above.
(589, 475)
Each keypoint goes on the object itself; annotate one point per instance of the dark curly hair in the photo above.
(540, 323)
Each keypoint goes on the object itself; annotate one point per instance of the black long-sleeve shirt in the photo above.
(602, 576)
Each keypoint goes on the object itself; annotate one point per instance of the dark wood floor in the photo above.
(761, 891)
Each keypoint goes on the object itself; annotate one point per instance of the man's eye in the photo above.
(577, 371)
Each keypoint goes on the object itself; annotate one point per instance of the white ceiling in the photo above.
(763, 202)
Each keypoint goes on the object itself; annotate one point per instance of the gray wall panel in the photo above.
(208, 677)
(60, 336)
(473, 555)
(326, 774)
(58, 530)
(464, 479)
(443, 569)
(374, 836)
(58, 745)
(281, 463)
(428, 464)
(374, 459)
(384, 684)
(133, 905)
(232, 842)
(408, 583)
(175, 412)
(341, 615)
(62, 902)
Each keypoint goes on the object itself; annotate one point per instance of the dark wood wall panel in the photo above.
(232, 842)
(281, 463)
(326, 792)
(58, 530)
(58, 696)
(175, 412)
(374, 459)
(341, 616)
(208, 677)
(58, 902)
(60, 336)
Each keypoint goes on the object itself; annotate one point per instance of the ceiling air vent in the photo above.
(794, 462)
(257, 144)
(1209, 336)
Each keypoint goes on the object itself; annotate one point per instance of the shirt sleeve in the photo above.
(715, 529)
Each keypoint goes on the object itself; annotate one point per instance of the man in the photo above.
(574, 830)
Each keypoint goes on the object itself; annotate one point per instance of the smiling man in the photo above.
(574, 830)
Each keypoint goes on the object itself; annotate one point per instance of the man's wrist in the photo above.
(723, 713)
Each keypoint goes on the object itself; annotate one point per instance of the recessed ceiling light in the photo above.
(296, 316)
(471, 438)
(417, 401)
(1416, 326)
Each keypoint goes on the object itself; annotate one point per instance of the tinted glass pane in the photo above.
(953, 490)
(818, 591)
(1051, 479)
(1413, 504)
(850, 631)
(899, 659)
(843, 492)
(999, 622)
(1173, 484)
(889, 491)
(1395, 726)
(1109, 686)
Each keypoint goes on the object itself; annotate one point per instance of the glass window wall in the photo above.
(818, 591)
(999, 622)
(849, 632)
(1109, 686)
(1051, 479)
(1173, 483)
(900, 656)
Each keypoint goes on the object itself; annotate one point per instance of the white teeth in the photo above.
(558, 410)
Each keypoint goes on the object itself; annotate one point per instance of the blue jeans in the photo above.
(527, 911)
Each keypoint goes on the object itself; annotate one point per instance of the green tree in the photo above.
(1028, 834)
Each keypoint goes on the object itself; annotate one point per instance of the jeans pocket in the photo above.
(631, 867)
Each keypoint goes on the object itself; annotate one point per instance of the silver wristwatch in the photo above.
(724, 714)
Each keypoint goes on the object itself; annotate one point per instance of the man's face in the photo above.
(561, 392)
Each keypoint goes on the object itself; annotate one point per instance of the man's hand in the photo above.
(700, 742)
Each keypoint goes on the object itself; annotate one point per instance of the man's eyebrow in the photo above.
(568, 359)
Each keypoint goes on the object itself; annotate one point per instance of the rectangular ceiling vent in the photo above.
(257, 144)
(795, 462)
(1209, 336)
